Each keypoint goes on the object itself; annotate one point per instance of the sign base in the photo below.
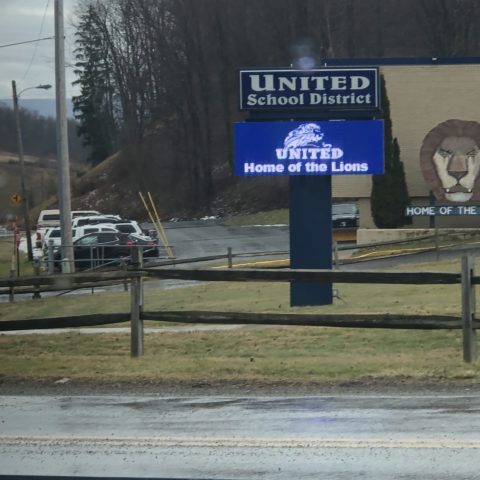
(311, 236)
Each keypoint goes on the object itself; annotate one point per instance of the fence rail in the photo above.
(314, 275)
(417, 322)
(138, 314)
(67, 280)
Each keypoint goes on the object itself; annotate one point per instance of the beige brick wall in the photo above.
(420, 97)
(366, 236)
(366, 220)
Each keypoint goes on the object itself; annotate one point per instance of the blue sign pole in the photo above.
(310, 236)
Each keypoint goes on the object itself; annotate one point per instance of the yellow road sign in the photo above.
(16, 199)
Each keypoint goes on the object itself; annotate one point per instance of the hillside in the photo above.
(40, 182)
(106, 188)
(45, 107)
(111, 187)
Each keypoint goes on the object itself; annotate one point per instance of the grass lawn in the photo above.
(268, 355)
(249, 354)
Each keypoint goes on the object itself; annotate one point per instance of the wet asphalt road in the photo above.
(335, 437)
(197, 239)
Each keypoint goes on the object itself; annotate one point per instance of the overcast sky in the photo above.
(33, 63)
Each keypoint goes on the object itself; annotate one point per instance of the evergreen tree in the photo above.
(389, 196)
(94, 108)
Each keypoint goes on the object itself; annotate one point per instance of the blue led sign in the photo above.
(325, 89)
(309, 148)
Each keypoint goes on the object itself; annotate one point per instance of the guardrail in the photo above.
(98, 259)
(137, 273)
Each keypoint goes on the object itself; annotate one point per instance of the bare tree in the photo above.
(450, 26)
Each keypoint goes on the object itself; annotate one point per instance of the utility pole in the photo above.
(23, 186)
(62, 143)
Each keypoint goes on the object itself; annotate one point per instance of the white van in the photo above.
(51, 218)
(48, 218)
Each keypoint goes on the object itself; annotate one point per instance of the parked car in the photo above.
(149, 245)
(54, 234)
(51, 218)
(94, 220)
(86, 229)
(83, 213)
(106, 248)
(345, 215)
(98, 249)
(132, 227)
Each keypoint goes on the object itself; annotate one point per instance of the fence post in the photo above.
(36, 272)
(136, 295)
(229, 257)
(468, 310)
(50, 259)
(124, 267)
(11, 293)
(335, 254)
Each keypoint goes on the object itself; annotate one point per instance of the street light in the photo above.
(22, 166)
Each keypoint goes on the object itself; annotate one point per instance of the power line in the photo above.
(27, 41)
(36, 44)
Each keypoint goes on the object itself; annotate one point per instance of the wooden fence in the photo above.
(138, 314)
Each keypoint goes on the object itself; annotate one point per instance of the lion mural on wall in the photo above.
(450, 161)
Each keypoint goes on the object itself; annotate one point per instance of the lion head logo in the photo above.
(306, 135)
(450, 160)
